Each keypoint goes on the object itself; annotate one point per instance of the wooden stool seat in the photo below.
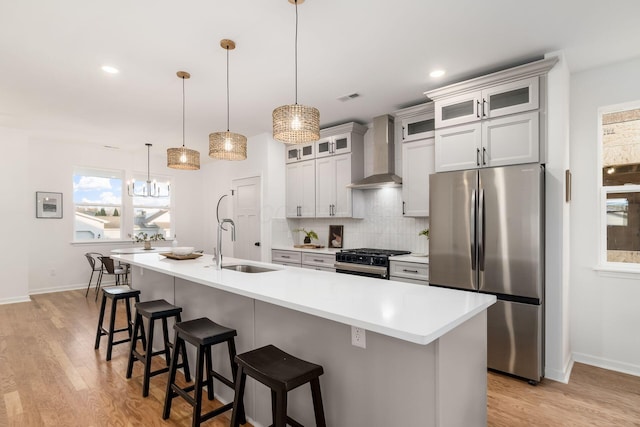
(115, 294)
(203, 333)
(154, 310)
(281, 372)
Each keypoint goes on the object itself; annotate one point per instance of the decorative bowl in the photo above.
(182, 250)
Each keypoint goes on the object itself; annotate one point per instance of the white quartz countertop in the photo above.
(415, 313)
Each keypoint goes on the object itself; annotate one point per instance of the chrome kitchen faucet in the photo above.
(219, 248)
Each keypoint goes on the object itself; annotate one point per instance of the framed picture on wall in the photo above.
(48, 205)
(335, 236)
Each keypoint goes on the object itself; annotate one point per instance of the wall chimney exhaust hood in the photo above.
(383, 157)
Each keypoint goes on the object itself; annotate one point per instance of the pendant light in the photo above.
(183, 158)
(150, 188)
(296, 124)
(227, 145)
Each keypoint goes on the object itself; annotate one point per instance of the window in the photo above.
(97, 199)
(620, 187)
(152, 215)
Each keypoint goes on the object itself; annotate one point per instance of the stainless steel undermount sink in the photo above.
(244, 268)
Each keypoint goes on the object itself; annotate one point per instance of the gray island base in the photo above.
(425, 358)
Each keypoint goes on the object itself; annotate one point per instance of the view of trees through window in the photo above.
(621, 183)
(97, 199)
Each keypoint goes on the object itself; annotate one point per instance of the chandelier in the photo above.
(182, 157)
(296, 124)
(227, 145)
(149, 188)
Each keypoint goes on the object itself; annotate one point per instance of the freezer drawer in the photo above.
(514, 334)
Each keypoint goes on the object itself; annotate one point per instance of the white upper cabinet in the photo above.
(492, 120)
(415, 129)
(301, 189)
(333, 145)
(496, 101)
(298, 153)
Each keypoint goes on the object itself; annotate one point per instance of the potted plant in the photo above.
(424, 232)
(308, 235)
(144, 237)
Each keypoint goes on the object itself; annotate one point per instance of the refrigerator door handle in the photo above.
(481, 234)
(472, 229)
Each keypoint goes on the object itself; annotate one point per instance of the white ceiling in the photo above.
(51, 53)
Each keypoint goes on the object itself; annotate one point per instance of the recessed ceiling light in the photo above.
(109, 69)
(437, 73)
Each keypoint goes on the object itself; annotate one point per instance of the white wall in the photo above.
(557, 351)
(605, 310)
(44, 259)
(265, 159)
(18, 205)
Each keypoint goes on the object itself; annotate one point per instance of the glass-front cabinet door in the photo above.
(458, 109)
(510, 98)
(297, 153)
(333, 145)
(418, 127)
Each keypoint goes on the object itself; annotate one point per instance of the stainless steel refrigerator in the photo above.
(487, 235)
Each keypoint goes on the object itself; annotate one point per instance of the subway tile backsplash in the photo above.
(383, 226)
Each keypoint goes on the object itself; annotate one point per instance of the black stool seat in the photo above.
(203, 333)
(281, 372)
(154, 310)
(115, 294)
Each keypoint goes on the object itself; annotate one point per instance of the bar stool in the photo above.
(281, 372)
(152, 311)
(115, 294)
(204, 334)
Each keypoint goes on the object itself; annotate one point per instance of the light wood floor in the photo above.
(50, 375)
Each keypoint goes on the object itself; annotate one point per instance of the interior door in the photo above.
(452, 251)
(246, 208)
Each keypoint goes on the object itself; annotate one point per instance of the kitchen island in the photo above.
(425, 357)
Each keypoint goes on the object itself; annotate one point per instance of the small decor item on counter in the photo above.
(175, 241)
(308, 235)
(335, 236)
(144, 237)
(424, 232)
(182, 250)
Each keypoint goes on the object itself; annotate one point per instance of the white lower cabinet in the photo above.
(410, 272)
(291, 258)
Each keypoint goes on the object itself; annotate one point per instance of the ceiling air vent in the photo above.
(349, 97)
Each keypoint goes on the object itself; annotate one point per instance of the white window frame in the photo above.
(618, 269)
(132, 206)
(103, 173)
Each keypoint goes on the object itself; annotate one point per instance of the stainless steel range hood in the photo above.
(383, 157)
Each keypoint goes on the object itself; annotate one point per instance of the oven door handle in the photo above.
(360, 268)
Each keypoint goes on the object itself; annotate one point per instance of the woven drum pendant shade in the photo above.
(296, 124)
(183, 158)
(227, 146)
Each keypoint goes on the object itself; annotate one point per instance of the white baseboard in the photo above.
(561, 376)
(613, 365)
(14, 300)
(66, 288)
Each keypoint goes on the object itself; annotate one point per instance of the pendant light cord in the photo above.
(182, 111)
(227, 49)
(296, 55)
(148, 162)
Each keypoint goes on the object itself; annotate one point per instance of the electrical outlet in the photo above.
(358, 337)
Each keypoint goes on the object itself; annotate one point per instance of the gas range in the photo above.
(366, 261)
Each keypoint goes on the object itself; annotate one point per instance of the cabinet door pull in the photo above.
(485, 112)
(403, 133)
(477, 157)
(478, 108)
(410, 271)
(285, 256)
(484, 156)
(403, 205)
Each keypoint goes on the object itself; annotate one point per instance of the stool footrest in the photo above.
(217, 411)
(223, 380)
